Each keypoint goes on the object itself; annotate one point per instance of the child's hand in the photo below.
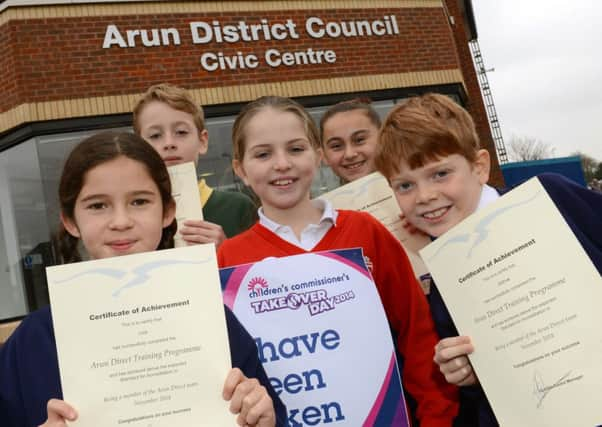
(198, 231)
(249, 399)
(450, 355)
(59, 411)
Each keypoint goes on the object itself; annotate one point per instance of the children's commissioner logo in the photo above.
(257, 283)
(317, 301)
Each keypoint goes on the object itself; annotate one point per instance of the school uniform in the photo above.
(29, 372)
(582, 210)
(234, 211)
(403, 300)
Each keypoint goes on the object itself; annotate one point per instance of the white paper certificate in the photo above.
(373, 194)
(142, 339)
(517, 281)
(185, 191)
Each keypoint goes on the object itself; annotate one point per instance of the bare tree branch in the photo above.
(525, 148)
(589, 164)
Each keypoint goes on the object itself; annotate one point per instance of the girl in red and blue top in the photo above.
(277, 153)
(115, 196)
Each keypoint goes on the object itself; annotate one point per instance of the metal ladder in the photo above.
(494, 123)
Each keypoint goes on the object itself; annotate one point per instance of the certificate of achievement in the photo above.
(518, 282)
(142, 340)
(322, 337)
(373, 194)
(185, 191)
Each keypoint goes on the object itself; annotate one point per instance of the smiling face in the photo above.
(172, 133)
(118, 210)
(349, 141)
(279, 161)
(442, 193)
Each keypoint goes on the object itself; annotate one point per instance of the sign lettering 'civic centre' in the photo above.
(202, 33)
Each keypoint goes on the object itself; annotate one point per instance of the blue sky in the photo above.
(547, 82)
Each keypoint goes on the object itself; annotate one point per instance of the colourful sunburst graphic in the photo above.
(257, 283)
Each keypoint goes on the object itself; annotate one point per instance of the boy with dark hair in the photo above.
(429, 151)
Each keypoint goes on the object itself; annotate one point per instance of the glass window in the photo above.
(29, 207)
(382, 108)
(24, 231)
(216, 165)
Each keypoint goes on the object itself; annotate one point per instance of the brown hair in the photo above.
(423, 129)
(96, 150)
(174, 96)
(277, 103)
(361, 104)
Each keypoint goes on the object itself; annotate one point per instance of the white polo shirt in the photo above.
(312, 234)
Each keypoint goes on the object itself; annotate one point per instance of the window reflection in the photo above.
(29, 207)
(24, 227)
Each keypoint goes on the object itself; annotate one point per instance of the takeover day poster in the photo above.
(322, 336)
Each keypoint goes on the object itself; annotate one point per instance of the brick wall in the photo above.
(475, 99)
(8, 81)
(54, 66)
(62, 58)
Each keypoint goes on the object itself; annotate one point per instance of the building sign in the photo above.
(122, 49)
(203, 33)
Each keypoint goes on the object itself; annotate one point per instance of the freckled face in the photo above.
(119, 210)
(349, 141)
